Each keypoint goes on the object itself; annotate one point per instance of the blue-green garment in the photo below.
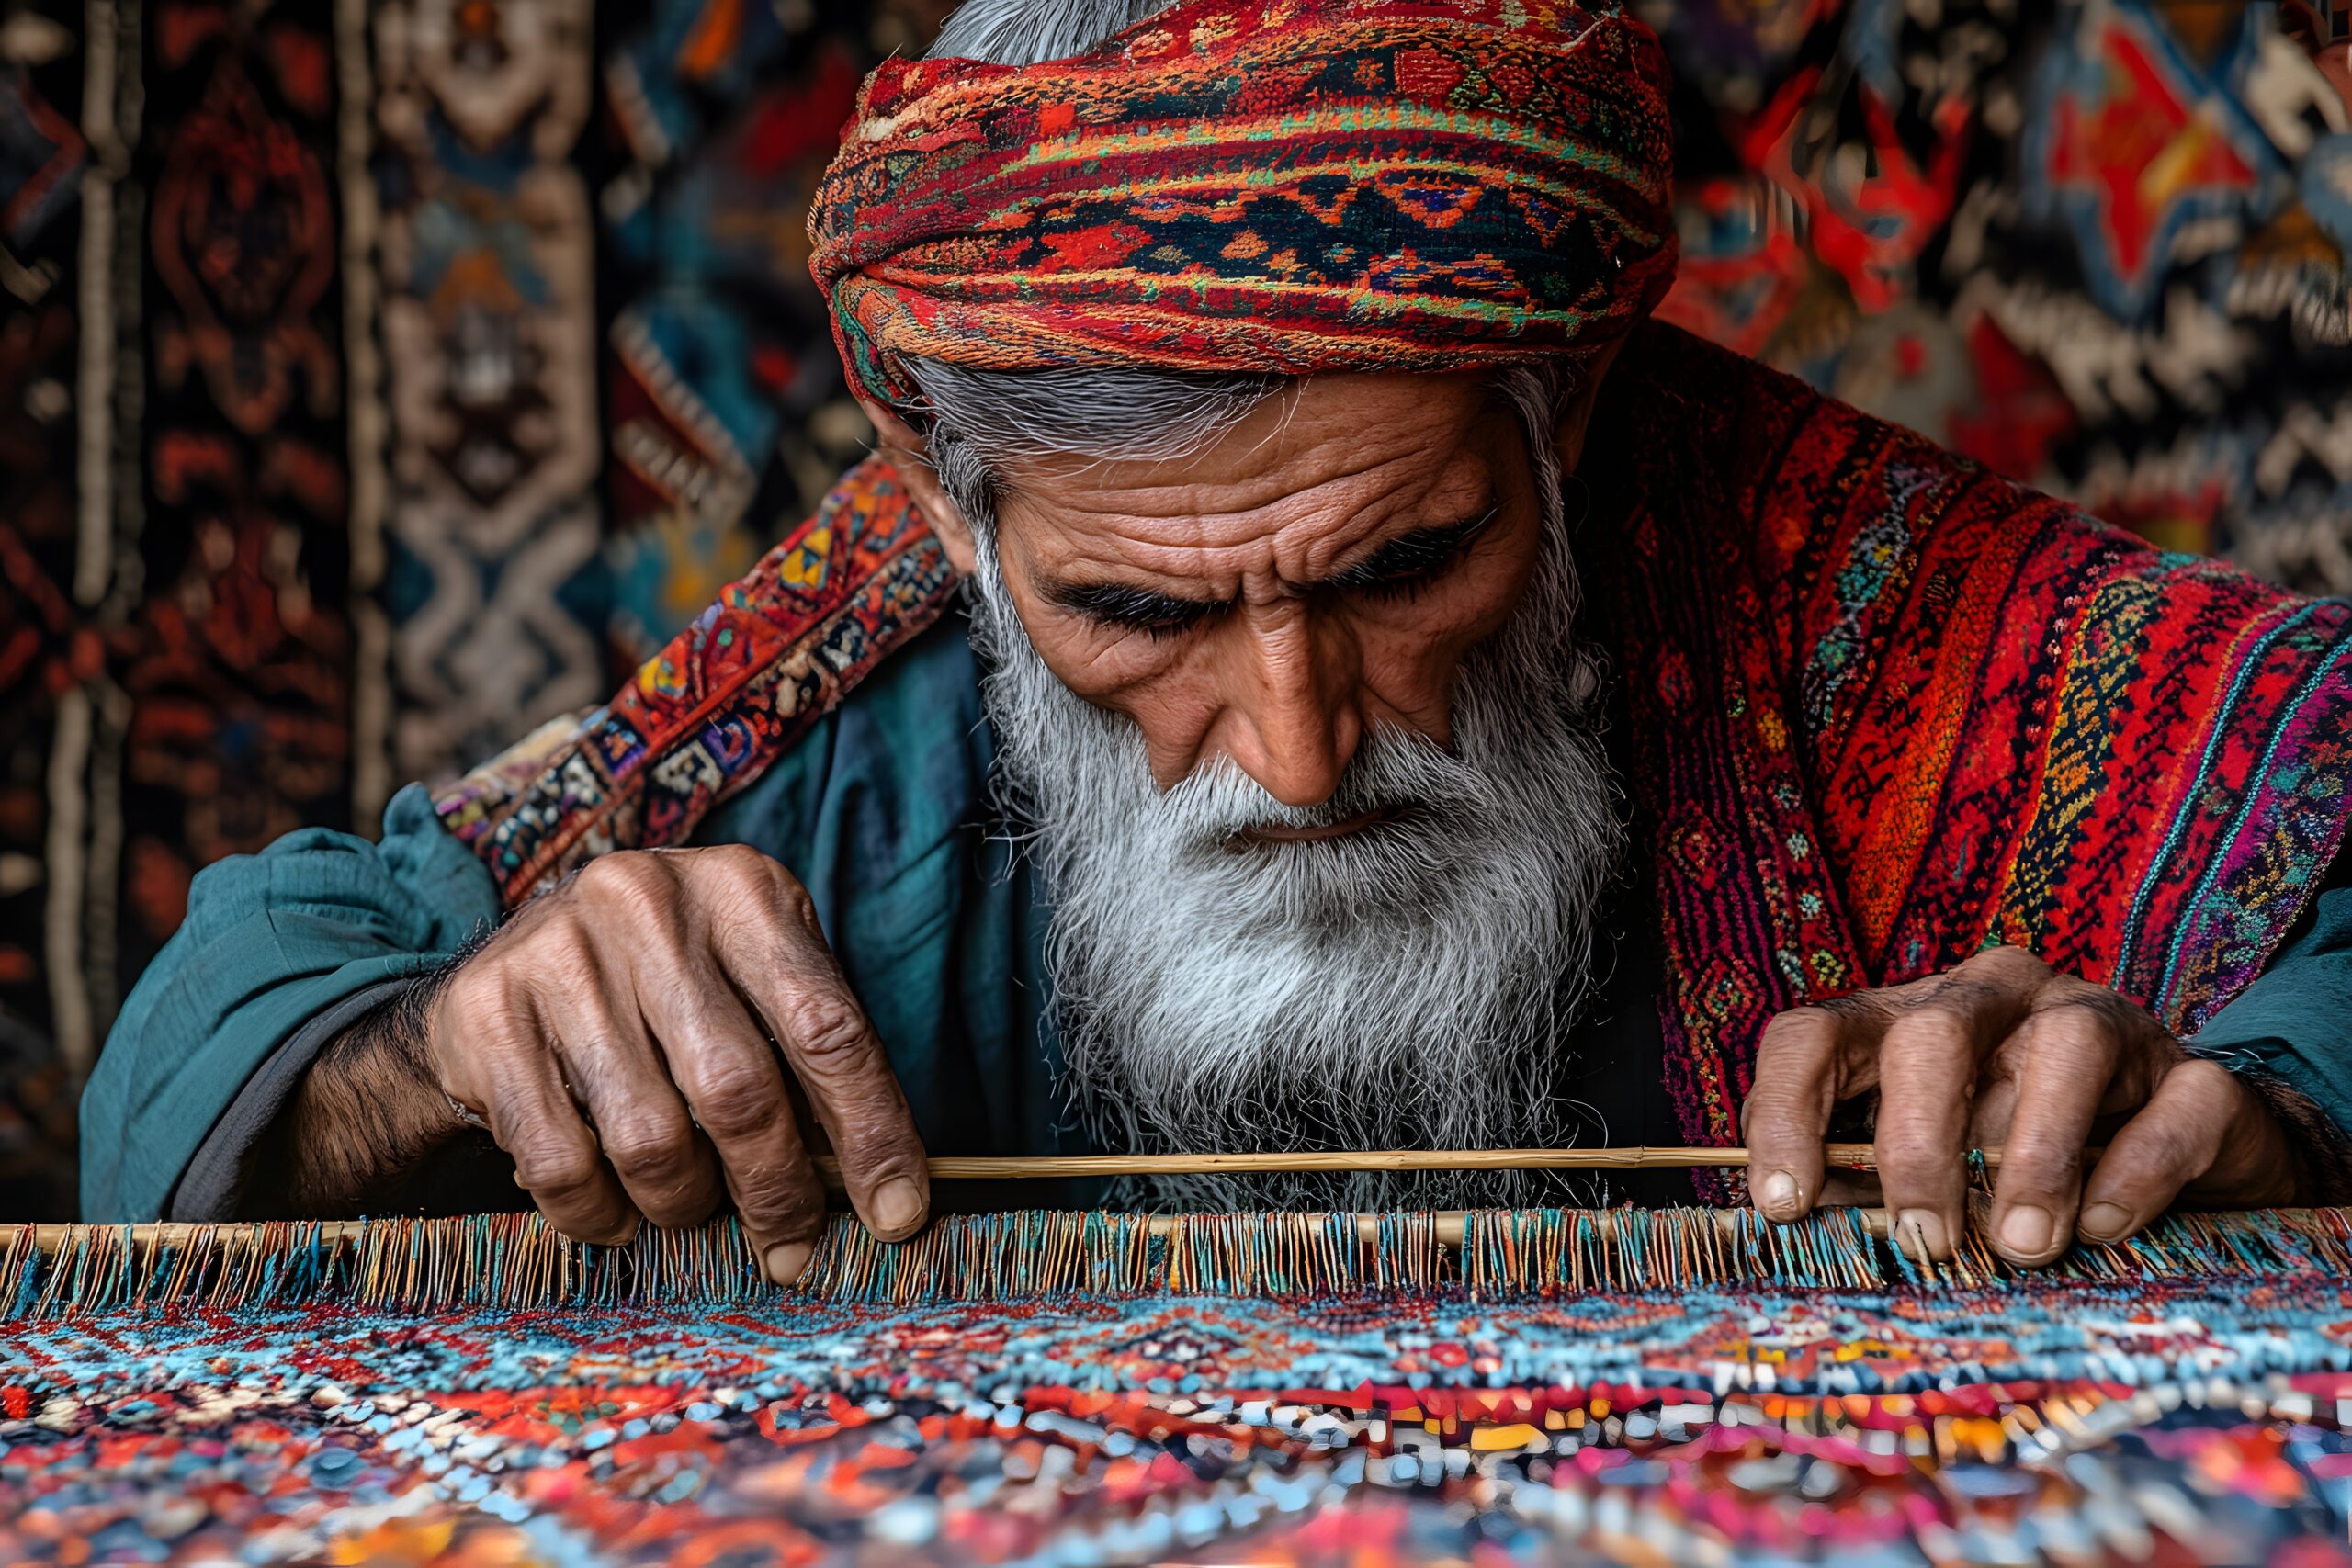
(882, 813)
(879, 811)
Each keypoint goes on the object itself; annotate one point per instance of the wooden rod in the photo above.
(1023, 1167)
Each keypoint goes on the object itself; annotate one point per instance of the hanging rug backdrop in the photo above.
(1670, 1387)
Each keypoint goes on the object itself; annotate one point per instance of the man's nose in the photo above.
(1291, 701)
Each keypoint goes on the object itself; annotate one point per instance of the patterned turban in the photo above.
(1283, 186)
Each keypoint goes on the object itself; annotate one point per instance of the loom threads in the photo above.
(517, 1260)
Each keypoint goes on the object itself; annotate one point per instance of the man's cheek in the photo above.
(1413, 652)
(1409, 681)
(1105, 667)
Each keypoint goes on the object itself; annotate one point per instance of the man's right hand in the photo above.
(632, 1038)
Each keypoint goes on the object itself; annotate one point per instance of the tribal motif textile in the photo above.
(2113, 1420)
(2099, 245)
(732, 691)
(726, 416)
(1284, 185)
(238, 678)
(1889, 710)
(45, 714)
(229, 727)
(487, 294)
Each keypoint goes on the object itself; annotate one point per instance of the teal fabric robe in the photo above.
(879, 811)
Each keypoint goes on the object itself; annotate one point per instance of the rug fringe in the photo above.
(517, 1260)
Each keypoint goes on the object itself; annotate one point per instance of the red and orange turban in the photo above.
(1286, 186)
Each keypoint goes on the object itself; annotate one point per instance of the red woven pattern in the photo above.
(1889, 708)
(732, 691)
(1291, 185)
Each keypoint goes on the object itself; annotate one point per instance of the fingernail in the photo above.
(2106, 1221)
(787, 1261)
(1923, 1234)
(2026, 1232)
(898, 1206)
(1777, 1191)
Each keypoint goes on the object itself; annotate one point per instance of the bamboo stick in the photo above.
(1020, 1167)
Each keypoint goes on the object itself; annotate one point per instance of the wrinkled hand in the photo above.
(629, 1038)
(2002, 1050)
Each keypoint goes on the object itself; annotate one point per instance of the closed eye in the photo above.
(1402, 566)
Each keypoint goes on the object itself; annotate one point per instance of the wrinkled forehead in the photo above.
(1305, 477)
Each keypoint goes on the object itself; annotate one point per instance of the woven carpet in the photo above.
(2184, 1404)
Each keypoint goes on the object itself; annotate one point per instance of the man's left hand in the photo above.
(2002, 1050)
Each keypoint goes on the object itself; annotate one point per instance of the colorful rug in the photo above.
(2181, 1402)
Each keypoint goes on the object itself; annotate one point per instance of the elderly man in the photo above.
(1406, 700)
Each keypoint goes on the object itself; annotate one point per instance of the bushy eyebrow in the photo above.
(1423, 549)
(1117, 603)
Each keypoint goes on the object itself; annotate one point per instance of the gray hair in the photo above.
(1030, 32)
(978, 422)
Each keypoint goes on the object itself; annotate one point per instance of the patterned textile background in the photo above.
(379, 377)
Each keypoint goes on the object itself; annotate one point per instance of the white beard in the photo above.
(1410, 985)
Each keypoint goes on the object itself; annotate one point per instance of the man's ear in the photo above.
(910, 454)
(1575, 410)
